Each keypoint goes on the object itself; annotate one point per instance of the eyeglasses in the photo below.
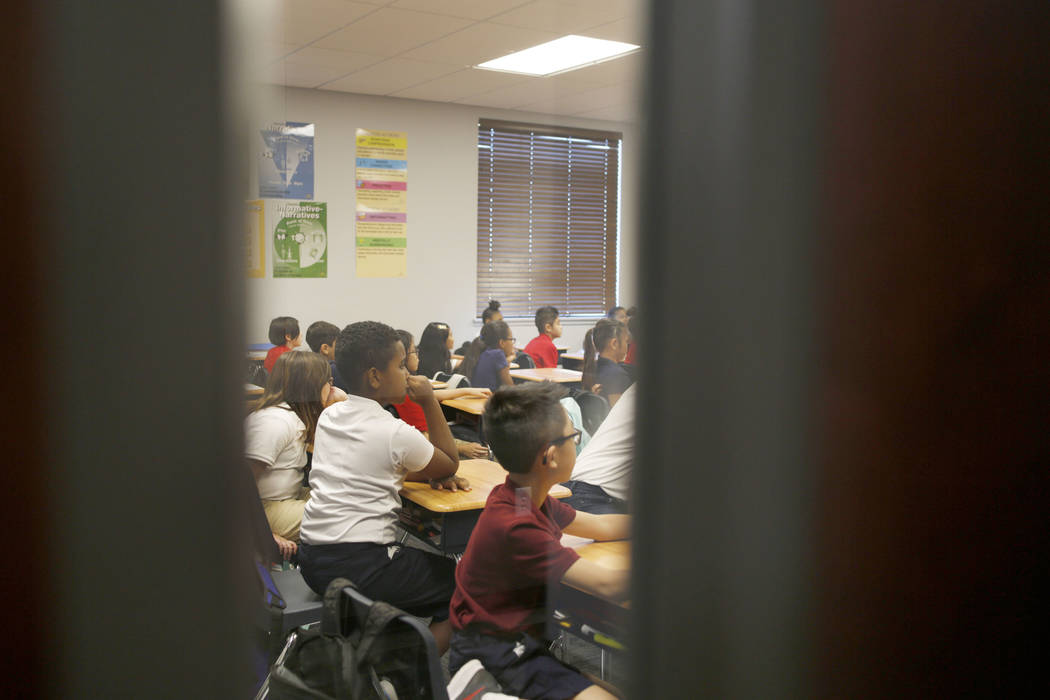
(511, 339)
(575, 437)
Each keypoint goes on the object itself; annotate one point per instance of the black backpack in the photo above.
(362, 650)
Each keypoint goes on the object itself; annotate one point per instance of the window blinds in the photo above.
(547, 218)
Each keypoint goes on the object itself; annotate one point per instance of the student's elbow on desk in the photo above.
(440, 466)
(597, 579)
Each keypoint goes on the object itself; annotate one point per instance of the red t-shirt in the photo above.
(271, 357)
(514, 553)
(412, 413)
(542, 351)
(631, 350)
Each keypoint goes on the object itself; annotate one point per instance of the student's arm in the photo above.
(257, 467)
(335, 396)
(613, 398)
(505, 378)
(599, 527)
(445, 461)
(466, 392)
(597, 579)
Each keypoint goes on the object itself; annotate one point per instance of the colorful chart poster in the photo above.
(254, 241)
(300, 239)
(286, 161)
(381, 217)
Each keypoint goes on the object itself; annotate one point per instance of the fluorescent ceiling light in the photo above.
(564, 54)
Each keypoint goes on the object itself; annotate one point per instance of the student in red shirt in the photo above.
(499, 606)
(541, 348)
(285, 336)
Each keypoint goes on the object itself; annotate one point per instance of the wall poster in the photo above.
(381, 216)
(286, 161)
(300, 239)
(254, 238)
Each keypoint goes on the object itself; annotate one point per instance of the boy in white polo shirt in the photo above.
(362, 455)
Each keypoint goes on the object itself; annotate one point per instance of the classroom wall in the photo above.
(442, 206)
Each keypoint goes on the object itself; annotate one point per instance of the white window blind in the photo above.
(547, 218)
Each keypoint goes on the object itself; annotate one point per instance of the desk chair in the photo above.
(524, 361)
(293, 606)
(594, 408)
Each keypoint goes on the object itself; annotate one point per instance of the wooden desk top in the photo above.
(256, 355)
(438, 385)
(612, 555)
(483, 475)
(547, 374)
(472, 405)
(253, 390)
(578, 355)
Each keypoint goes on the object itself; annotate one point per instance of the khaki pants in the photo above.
(286, 516)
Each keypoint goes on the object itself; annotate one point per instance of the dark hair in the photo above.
(434, 356)
(406, 338)
(362, 346)
(297, 379)
(491, 311)
(321, 333)
(282, 327)
(521, 420)
(491, 335)
(545, 315)
(613, 310)
(594, 342)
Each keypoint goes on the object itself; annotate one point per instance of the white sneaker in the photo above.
(473, 682)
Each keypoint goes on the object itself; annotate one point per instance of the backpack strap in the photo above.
(379, 616)
(332, 608)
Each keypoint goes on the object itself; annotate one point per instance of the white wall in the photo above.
(442, 219)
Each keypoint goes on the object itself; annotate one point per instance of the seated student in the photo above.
(541, 348)
(632, 341)
(412, 413)
(362, 456)
(320, 336)
(276, 434)
(604, 348)
(284, 334)
(435, 345)
(487, 362)
(601, 477)
(617, 313)
(490, 314)
(499, 607)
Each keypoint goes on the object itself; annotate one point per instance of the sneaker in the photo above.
(472, 682)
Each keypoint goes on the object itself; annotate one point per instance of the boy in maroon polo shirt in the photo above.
(541, 348)
(499, 607)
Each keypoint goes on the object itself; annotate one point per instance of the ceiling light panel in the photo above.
(560, 55)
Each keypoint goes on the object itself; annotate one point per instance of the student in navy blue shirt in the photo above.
(487, 362)
(320, 336)
(605, 347)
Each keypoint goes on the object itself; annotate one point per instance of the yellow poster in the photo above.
(381, 217)
(254, 245)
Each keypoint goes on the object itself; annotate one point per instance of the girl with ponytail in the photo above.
(604, 348)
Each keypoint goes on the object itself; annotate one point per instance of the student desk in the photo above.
(548, 374)
(587, 615)
(572, 360)
(445, 519)
(472, 405)
(252, 391)
(438, 385)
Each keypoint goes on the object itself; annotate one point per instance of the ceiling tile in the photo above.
(471, 9)
(345, 61)
(628, 29)
(554, 16)
(389, 76)
(270, 51)
(612, 8)
(389, 32)
(294, 75)
(530, 90)
(575, 102)
(470, 81)
(303, 21)
(617, 113)
(479, 43)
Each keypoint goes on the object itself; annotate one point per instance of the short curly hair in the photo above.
(362, 346)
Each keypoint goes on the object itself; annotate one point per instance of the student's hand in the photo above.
(334, 396)
(450, 483)
(472, 450)
(478, 392)
(419, 388)
(287, 547)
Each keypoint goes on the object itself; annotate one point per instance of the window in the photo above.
(547, 218)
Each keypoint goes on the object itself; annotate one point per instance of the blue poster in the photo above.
(286, 161)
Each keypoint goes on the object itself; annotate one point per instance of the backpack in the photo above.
(362, 650)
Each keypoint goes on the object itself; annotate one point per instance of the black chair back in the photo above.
(594, 408)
